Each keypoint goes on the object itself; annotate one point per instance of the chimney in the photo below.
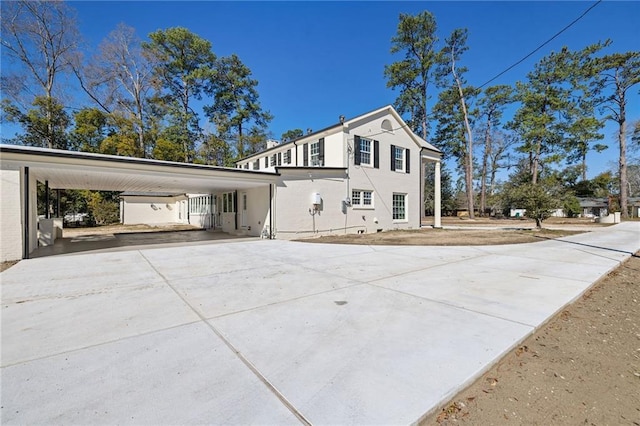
(271, 143)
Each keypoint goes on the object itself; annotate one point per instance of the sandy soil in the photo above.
(124, 229)
(582, 367)
(445, 237)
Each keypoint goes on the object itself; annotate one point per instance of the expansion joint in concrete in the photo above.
(235, 350)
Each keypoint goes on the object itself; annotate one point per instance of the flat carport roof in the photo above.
(81, 170)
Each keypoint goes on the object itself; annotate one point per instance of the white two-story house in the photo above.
(364, 174)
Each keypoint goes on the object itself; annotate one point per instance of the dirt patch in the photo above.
(582, 367)
(446, 237)
(6, 265)
(125, 229)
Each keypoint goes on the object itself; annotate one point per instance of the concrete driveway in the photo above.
(276, 332)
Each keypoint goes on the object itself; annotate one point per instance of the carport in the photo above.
(22, 167)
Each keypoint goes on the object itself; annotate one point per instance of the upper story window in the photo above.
(313, 153)
(366, 152)
(256, 165)
(273, 160)
(287, 156)
(400, 159)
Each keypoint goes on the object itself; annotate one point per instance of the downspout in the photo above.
(271, 207)
(25, 227)
(296, 151)
(348, 194)
(47, 200)
(422, 187)
(235, 209)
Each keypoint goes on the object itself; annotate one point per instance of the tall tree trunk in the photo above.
(185, 106)
(140, 118)
(535, 162)
(624, 185)
(485, 160)
(468, 158)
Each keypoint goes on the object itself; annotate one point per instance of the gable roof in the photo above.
(404, 126)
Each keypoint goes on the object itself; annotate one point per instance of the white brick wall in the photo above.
(10, 211)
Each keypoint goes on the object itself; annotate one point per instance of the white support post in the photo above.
(437, 208)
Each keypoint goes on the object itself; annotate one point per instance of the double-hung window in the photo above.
(399, 206)
(314, 153)
(273, 160)
(365, 151)
(362, 198)
(400, 159)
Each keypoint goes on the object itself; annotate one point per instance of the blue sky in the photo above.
(316, 61)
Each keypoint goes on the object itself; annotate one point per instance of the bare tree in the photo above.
(42, 36)
(492, 105)
(119, 79)
(455, 46)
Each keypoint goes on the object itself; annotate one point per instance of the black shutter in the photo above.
(279, 159)
(289, 156)
(266, 162)
(376, 154)
(305, 155)
(356, 150)
(393, 158)
(407, 160)
(321, 153)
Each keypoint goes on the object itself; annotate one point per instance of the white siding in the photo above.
(11, 213)
(138, 210)
(334, 149)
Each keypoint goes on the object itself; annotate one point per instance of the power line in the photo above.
(545, 43)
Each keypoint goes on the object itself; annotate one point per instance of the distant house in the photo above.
(634, 205)
(594, 207)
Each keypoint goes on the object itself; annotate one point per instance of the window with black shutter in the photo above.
(305, 155)
(321, 152)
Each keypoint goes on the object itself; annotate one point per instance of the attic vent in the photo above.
(386, 125)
